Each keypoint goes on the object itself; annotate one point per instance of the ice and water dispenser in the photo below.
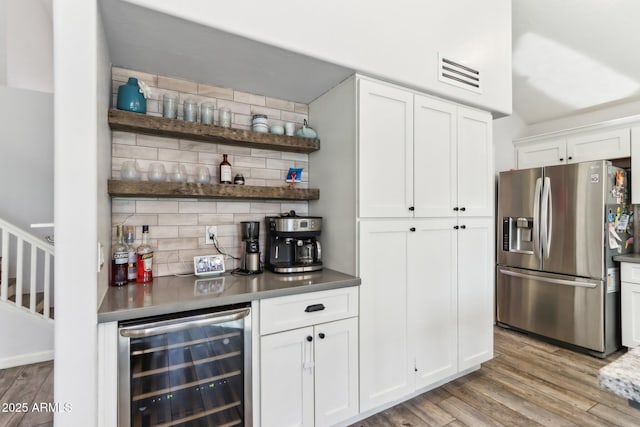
(517, 234)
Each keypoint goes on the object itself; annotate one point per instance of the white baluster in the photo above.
(19, 270)
(32, 292)
(4, 288)
(47, 274)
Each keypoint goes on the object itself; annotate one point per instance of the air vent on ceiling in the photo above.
(457, 74)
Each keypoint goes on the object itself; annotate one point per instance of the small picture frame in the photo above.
(207, 265)
(294, 175)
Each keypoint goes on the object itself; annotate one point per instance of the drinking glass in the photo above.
(202, 175)
(169, 106)
(157, 172)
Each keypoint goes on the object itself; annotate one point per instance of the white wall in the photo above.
(31, 342)
(28, 44)
(76, 53)
(505, 130)
(393, 41)
(26, 163)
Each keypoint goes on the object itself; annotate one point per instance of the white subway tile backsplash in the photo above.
(235, 107)
(123, 206)
(134, 152)
(248, 98)
(177, 219)
(302, 157)
(265, 173)
(280, 164)
(192, 231)
(198, 206)
(177, 244)
(293, 117)
(163, 232)
(215, 219)
(215, 91)
(124, 138)
(206, 147)
(177, 85)
(178, 155)
(271, 113)
(265, 207)
(134, 219)
(249, 162)
(267, 154)
(157, 142)
(280, 104)
(234, 207)
(156, 206)
(301, 108)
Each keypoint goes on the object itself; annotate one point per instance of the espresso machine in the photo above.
(250, 232)
(293, 244)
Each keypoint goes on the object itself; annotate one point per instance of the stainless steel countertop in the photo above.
(627, 258)
(173, 294)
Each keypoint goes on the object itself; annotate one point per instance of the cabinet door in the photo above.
(630, 314)
(434, 148)
(542, 153)
(475, 163)
(611, 144)
(384, 370)
(475, 291)
(336, 371)
(432, 300)
(286, 378)
(635, 165)
(385, 144)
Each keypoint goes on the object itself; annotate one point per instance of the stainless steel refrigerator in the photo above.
(559, 227)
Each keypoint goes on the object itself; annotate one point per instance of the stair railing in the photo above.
(40, 258)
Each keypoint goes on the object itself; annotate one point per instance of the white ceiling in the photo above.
(574, 56)
(569, 56)
(145, 40)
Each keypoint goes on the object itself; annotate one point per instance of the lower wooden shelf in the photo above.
(121, 188)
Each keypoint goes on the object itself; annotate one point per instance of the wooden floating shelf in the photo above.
(172, 128)
(121, 188)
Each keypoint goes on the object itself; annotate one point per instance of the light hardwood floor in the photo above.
(27, 384)
(528, 383)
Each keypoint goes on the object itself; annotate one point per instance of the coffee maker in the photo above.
(293, 244)
(250, 232)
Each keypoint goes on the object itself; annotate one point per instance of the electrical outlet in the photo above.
(210, 232)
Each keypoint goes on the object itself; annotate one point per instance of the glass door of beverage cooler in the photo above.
(186, 371)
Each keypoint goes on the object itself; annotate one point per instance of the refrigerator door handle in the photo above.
(536, 220)
(549, 279)
(549, 214)
(544, 223)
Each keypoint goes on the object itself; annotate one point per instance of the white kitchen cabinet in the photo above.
(385, 372)
(386, 150)
(433, 311)
(574, 147)
(635, 165)
(475, 163)
(475, 291)
(309, 374)
(410, 303)
(630, 309)
(286, 378)
(542, 153)
(420, 156)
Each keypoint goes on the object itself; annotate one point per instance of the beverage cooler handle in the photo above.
(536, 219)
(546, 217)
(181, 324)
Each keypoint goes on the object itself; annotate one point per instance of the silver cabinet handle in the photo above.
(180, 324)
(549, 279)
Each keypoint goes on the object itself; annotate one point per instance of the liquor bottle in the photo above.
(225, 171)
(119, 261)
(129, 238)
(144, 258)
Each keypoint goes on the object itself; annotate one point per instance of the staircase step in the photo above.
(39, 302)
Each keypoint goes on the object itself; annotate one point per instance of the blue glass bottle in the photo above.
(130, 98)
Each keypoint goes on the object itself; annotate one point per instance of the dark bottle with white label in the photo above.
(225, 171)
(119, 261)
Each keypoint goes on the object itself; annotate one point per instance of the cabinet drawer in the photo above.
(296, 311)
(630, 272)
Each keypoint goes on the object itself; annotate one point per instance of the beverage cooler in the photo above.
(191, 370)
